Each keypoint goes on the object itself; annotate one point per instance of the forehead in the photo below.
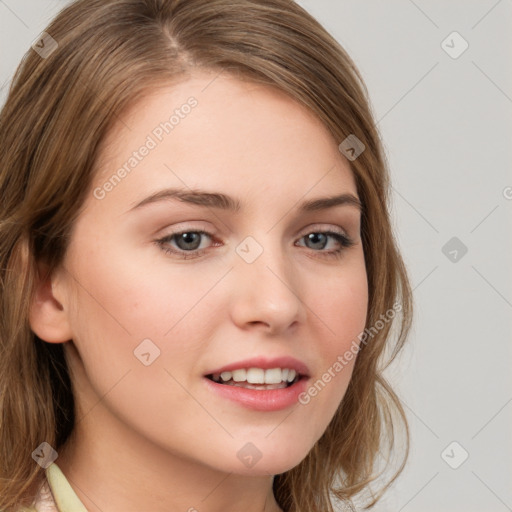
(215, 131)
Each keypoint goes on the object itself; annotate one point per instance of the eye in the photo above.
(188, 243)
(319, 240)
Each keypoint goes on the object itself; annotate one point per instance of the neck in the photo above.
(121, 472)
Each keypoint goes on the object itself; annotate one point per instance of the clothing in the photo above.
(56, 494)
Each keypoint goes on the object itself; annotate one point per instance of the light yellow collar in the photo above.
(64, 495)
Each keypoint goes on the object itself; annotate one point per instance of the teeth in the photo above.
(273, 376)
(245, 385)
(257, 376)
(239, 375)
(225, 376)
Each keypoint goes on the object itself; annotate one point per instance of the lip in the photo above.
(265, 364)
(261, 399)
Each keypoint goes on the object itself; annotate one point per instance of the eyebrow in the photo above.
(228, 203)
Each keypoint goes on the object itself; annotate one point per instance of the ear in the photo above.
(48, 317)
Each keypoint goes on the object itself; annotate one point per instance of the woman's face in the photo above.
(155, 316)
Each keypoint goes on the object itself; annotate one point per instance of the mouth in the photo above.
(257, 378)
(259, 383)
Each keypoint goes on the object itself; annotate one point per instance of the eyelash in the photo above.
(344, 241)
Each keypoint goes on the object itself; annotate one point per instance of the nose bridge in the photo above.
(268, 290)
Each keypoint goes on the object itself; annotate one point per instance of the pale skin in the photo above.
(155, 437)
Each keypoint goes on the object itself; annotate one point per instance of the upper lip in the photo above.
(266, 364)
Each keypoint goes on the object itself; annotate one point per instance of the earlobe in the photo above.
(48, 316)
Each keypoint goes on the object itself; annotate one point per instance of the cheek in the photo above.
(124, 300)
(341, 308)
(123, 312)
(341, 305)
(127, 293)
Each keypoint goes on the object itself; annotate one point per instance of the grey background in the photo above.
(446, 124)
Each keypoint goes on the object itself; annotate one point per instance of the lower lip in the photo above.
(260, 399)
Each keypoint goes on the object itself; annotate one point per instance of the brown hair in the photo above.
(59, 109)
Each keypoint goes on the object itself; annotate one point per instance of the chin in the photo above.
(259, 464)
(273, 468)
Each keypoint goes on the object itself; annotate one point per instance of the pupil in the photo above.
(188, 238)
(314, 236)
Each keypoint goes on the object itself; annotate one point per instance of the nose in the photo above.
(266, 293)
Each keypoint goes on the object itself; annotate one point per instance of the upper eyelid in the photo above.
(319, 226)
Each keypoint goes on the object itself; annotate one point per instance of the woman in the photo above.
(199, 272)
